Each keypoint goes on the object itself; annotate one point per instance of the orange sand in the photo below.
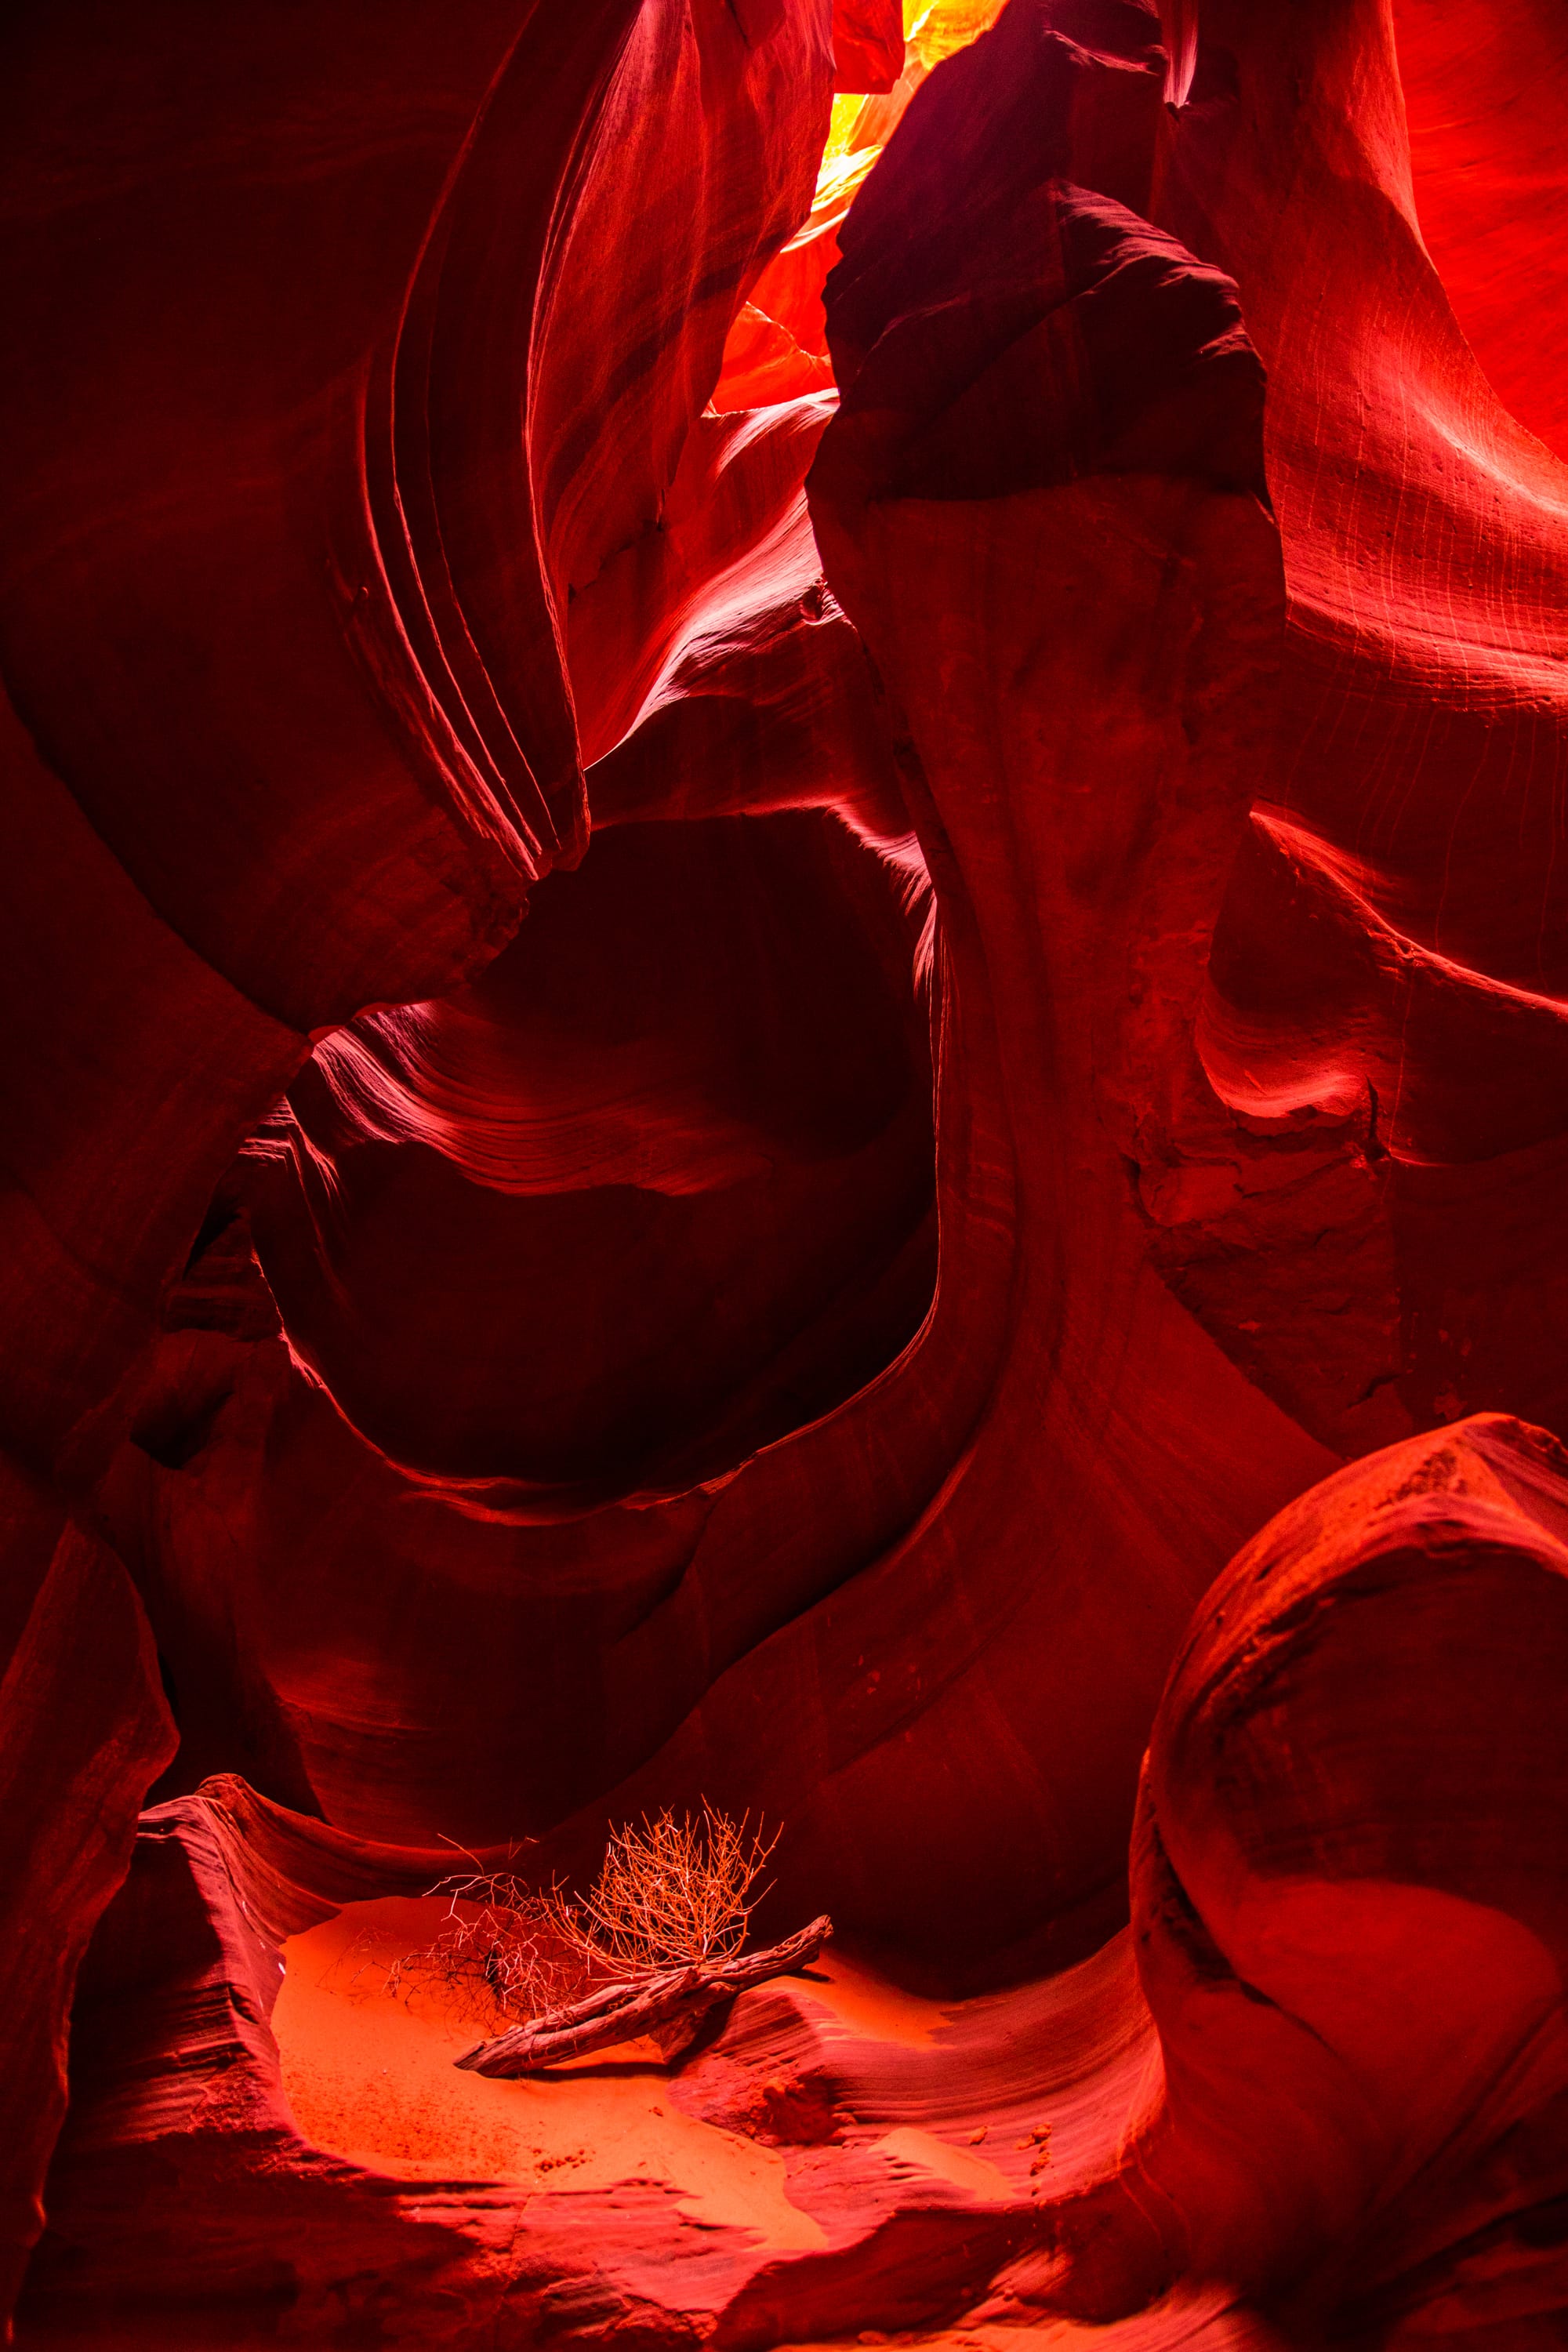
(867, 2005)
(371, 2077)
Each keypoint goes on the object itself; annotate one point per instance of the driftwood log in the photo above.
(670, 2006)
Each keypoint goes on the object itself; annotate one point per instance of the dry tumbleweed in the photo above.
(669, 1892)
(497, 1955)
(655, 1942)
(672, 1892)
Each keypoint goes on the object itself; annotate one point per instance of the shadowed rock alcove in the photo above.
(786, 897)
(652, 1192)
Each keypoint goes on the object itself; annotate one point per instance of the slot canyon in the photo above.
(786, 901)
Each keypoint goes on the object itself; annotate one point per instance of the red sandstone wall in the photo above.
(748, 1005)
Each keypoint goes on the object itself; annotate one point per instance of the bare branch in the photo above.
(497, 1955)
(679, 1998)
(668, 1892)
(664, 1922)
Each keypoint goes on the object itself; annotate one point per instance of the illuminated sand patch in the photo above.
(867, 2005)
(369, 2076)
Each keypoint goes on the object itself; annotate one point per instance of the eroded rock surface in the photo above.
(787, 926)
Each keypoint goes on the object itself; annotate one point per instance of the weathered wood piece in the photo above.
(671, 2004)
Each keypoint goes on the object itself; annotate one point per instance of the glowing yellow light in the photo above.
(861, 127)
(777, 348)
(947, 24)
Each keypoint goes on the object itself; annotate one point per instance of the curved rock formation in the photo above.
(1318, 2089)
(788, 908)
(311, 454)
(1486, 98)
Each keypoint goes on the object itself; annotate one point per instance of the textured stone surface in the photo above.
(783, 931)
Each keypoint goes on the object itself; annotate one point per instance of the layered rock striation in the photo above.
(787, 927)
